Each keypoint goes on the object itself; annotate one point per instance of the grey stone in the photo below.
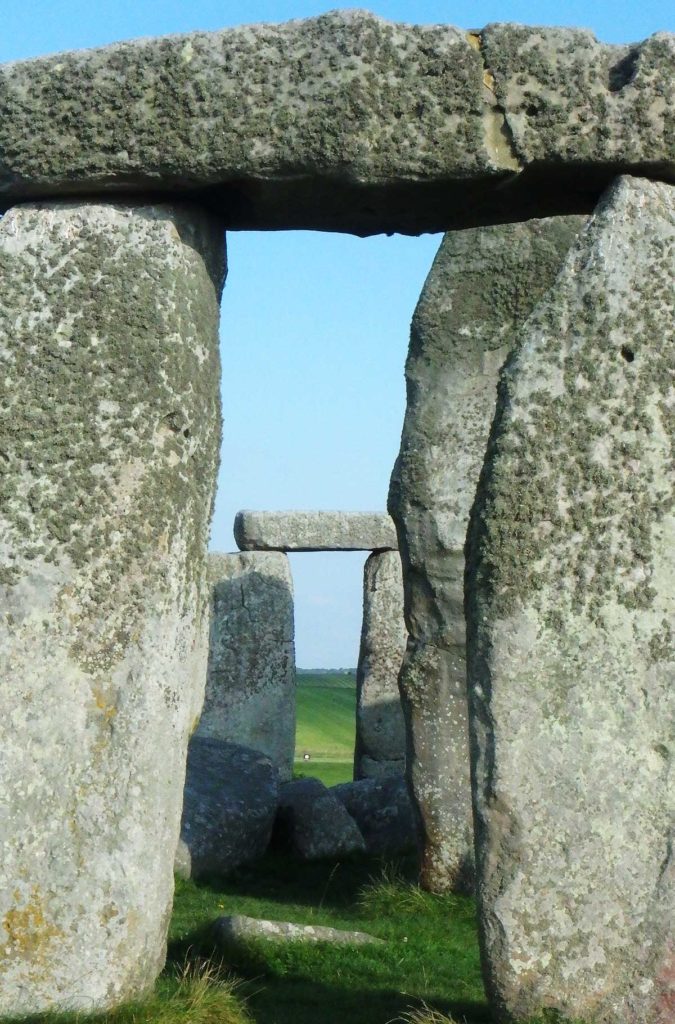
(109, 434)
(483, 284)
(314, 531)
(384, 813)
(250, 685)
(570, 636)
(229, 805)
(344, 122)
(312, 824)
(231, 933)
(182, 861)
(380, 730)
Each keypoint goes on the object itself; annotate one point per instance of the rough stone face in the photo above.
(314, 531)
(313, 824)
(109, 439)
(344, 122)
(384, 813)
(232, 933)
(380, 730)
(250, 684)
(483, 284)
(229, 805)
(570, 631)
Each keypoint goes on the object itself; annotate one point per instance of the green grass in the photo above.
(430, 956)
(326, 709)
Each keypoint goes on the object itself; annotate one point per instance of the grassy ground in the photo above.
(326, 707)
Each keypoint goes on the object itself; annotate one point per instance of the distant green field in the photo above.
(326, 706)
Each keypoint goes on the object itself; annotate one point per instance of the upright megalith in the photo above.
(571, 617)
(380, 731)
(482, 286)
(109, 438)
(250, 685)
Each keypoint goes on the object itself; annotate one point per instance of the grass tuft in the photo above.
(424, 1015)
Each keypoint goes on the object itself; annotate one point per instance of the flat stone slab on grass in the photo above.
(238, 930)
(344, 122)
(314, 531)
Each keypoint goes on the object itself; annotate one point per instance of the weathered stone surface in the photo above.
(483, 284)
(236, 931)
(229, 805)
(384, 813)
(344, 122)
(250, 684)
(570, 636)
(380, 730)
(182, 861)
(109, 438)
(313, 824)
(314, 531)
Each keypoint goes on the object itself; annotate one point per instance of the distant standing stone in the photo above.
(380, 729)
(229, 805)
(314, 531)
(250, 684)
(483, 284)
(109, 440)
(571, 600)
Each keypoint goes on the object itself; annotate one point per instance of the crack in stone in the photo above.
(498, 137)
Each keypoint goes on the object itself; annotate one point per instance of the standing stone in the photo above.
(571, 616)
(109, 438)
(483, 284)
(380, 730)
(250, 684)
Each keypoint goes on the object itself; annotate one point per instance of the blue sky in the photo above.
(314, 326)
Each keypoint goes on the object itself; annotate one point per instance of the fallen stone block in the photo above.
(571, 621)
(109, 442)
(312, 824)
(482, 286)
(232, 933)
(380, 729)
(314, 531)
(384, 813)
(250, 683)
(229, 805)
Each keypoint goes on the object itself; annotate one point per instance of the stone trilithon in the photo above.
(109, 438)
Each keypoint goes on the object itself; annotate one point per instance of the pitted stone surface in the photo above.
(344, 122)
(380, 729)
(314, 531)
(312, 823)
(109, 434)
(232, 933)
(250, 684)
(482, 285)
(571, 614)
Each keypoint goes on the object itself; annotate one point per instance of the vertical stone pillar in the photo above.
(109, 440)
(571, 618)
(483, 284)
(250, 686)
(380, 730)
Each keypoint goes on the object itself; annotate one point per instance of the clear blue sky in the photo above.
(314, 326)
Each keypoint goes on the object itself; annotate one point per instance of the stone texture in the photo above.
(231, 933)
(344, 122)
(312, 824)
(314, 531)
(109, 439)
(570, 636)
(483, 284)
(250, 684)
(384, 813)
(380, 730)
(229, 805)
(182, 861)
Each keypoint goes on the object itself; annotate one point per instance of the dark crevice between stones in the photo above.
(623, 72)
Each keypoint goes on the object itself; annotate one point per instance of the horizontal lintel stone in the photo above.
(314, 531)
(344, 122)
